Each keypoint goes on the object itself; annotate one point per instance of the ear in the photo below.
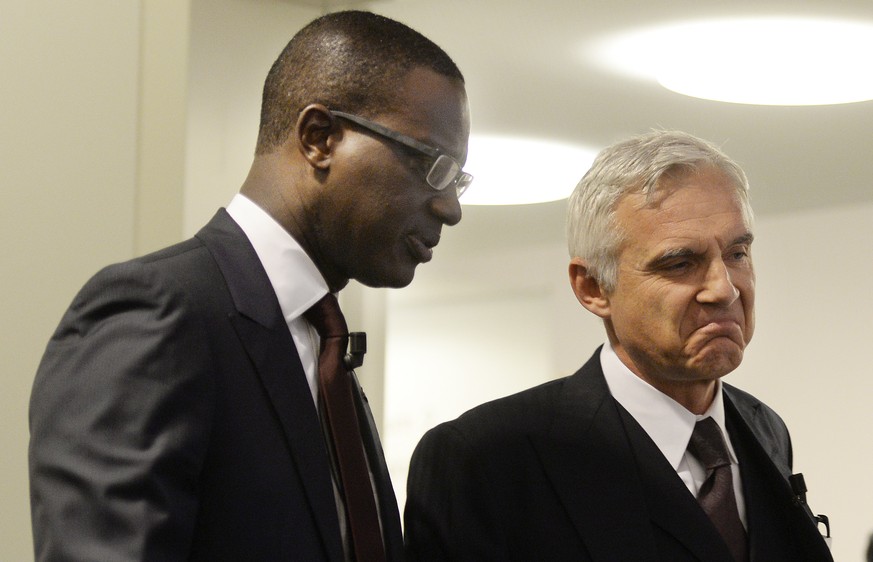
(587, 289)
(317, 133)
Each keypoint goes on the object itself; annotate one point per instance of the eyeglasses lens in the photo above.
(464, 181)
(443, 172)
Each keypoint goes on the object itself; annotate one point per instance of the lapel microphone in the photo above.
(798, 486)
(357, 348)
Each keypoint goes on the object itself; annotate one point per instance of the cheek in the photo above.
(748, 298)
(750, 327)
(687, 314)
(385, 230)
(638, 315)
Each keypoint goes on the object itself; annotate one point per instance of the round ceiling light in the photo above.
(518, 171)
(763, 61)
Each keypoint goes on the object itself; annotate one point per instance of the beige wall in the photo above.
(233, 44)
(91, 143)
(113, 141)
(810, 359)
(68, 114)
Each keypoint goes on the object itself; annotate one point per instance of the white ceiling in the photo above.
(527, 74)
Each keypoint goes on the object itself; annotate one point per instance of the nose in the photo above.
(718, 288)
(446, 207)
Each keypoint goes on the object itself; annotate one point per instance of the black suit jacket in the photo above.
(171, 419)
(563, 472)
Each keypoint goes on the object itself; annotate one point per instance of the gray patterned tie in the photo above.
(716, 495)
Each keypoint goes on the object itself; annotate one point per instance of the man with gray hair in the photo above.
(644, 453)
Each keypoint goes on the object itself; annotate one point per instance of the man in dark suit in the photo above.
(602, 465)
(176, 412)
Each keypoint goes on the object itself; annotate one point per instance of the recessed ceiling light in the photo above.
(765, 61)
(518, 171)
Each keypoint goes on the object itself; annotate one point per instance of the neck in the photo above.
(695, 395)
(293, 204)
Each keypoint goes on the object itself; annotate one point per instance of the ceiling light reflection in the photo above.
(518, 171)
(763, 61)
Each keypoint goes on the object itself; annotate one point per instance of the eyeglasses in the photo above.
(444, 171)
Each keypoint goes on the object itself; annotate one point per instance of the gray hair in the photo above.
(635, 165)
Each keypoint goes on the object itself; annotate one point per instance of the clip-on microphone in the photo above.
(798, 485)
(357, 348)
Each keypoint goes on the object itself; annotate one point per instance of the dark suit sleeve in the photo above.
(119, 419)
(450, 508)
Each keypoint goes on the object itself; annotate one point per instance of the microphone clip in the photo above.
(357, 348)
(798, 486)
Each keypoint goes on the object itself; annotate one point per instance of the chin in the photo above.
(399, 284)
(393, 281)
(714, 366)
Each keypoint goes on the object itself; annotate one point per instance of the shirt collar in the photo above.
(294, 276)
(666, 421)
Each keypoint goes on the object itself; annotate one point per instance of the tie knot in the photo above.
(708, 446)
(326, 317)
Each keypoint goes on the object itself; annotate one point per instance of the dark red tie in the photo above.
(336, 392)
(716, 495)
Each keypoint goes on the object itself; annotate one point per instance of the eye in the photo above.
(419, 162)
(675, 266)
(739, 254)
(424, 164)
(674, 262)
(678, 266)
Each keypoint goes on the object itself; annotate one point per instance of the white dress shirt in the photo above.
(298, 285)
(295, 278)
(668, 423)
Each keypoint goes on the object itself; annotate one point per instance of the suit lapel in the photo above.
(590, 464)
(265, 336)
(671, 506)
(388, 512)
(779, 527)
(614, 482)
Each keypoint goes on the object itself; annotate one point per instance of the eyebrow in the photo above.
(746, 239)
(675, 253)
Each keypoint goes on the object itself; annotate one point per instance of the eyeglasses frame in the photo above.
(461, 180)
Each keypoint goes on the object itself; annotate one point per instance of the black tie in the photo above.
(336, 392)
(716, 495)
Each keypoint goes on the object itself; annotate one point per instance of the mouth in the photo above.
(725, 328)
(421, 249)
